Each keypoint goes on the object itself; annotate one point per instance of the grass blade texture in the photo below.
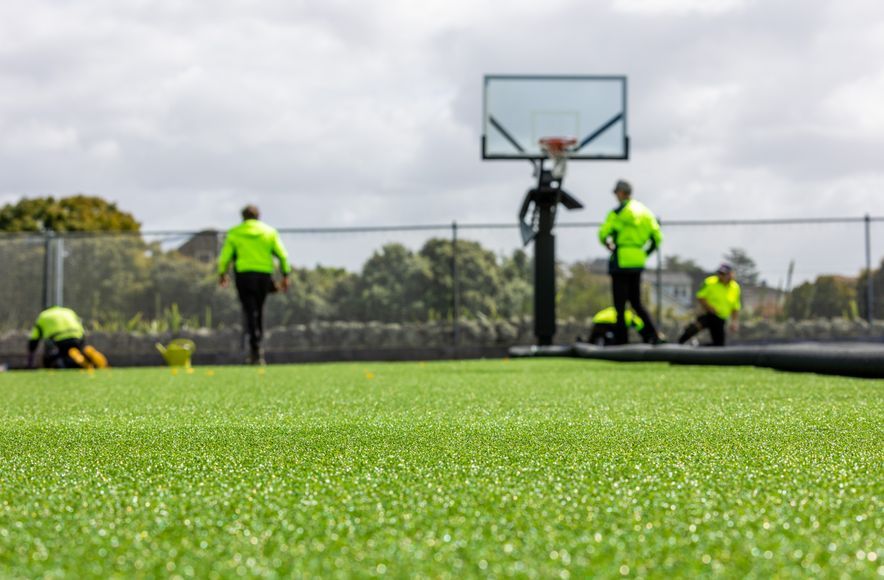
(547, 468)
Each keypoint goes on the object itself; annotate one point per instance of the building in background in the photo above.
(676, 291)
(203, 246)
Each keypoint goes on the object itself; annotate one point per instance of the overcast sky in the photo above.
(332, 113)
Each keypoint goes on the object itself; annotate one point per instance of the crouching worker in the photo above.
(604, 327)
(64, 346)
(720, 299)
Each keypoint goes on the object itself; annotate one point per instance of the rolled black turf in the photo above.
(847, 359)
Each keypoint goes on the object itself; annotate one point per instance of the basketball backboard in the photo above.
(521, 110)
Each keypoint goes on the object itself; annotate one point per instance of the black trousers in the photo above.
(55, 354)
(712, 322)
(602, 334)
(627, 287)
(253, 288)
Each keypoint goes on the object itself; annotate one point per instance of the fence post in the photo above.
(659, 288)
(47, 269)
(870, 285)
(455, 287)
(59, 270)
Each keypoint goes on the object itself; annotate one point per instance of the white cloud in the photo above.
(107, 150)
(855, 108)
(38, 137)
(346, 113)
(678, 6)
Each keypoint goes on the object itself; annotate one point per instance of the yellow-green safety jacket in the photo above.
(635, 233)
(723, 298)
(56, 324)
(251, 247)
(609, 316)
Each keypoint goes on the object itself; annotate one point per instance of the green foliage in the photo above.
(877, 289)
(174, 317)
(826, 297)
(399, 285)
(583, 292)
(170, 320)
(78, 213)
(479, 274)
(21, 275)
(516, 296)
(112, 281)
(391, 286)
(320, 293)
(108, 276)
(541, 468)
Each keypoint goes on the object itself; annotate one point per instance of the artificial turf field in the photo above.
(550, 468)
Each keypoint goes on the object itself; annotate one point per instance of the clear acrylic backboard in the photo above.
(519, 111)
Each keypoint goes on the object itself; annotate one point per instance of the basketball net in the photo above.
(557, 149)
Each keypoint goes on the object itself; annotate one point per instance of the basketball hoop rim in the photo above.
(557, 147)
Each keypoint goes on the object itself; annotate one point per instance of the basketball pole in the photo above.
(545, 197)
(545, 269)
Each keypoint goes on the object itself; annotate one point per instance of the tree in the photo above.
(98, 270)
(479, 279)
(108, 277)
(583, 292)
(826, 297)
(392, 286)
(517, 291)
(78, 213)
(745, 269)
(21, 280)
(877, 290)
(322, 293)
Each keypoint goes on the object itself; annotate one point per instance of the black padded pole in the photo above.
(545, 270)
(870, 278)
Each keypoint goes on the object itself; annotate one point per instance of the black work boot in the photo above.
(689, 333)
(256, 357)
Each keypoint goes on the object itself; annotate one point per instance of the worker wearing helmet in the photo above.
(720, 298)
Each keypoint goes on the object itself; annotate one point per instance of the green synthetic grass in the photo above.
(529, 468)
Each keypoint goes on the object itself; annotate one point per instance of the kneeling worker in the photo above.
(720, 298)
(604, 327)
(65, 348)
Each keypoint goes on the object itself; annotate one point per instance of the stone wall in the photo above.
(428, 338)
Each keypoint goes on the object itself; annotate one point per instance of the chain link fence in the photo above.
(446, 274)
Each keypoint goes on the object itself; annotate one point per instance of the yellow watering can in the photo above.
(178, 353)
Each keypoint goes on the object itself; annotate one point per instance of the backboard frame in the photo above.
(488, 121)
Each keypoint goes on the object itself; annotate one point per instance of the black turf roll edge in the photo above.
(849, 359)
